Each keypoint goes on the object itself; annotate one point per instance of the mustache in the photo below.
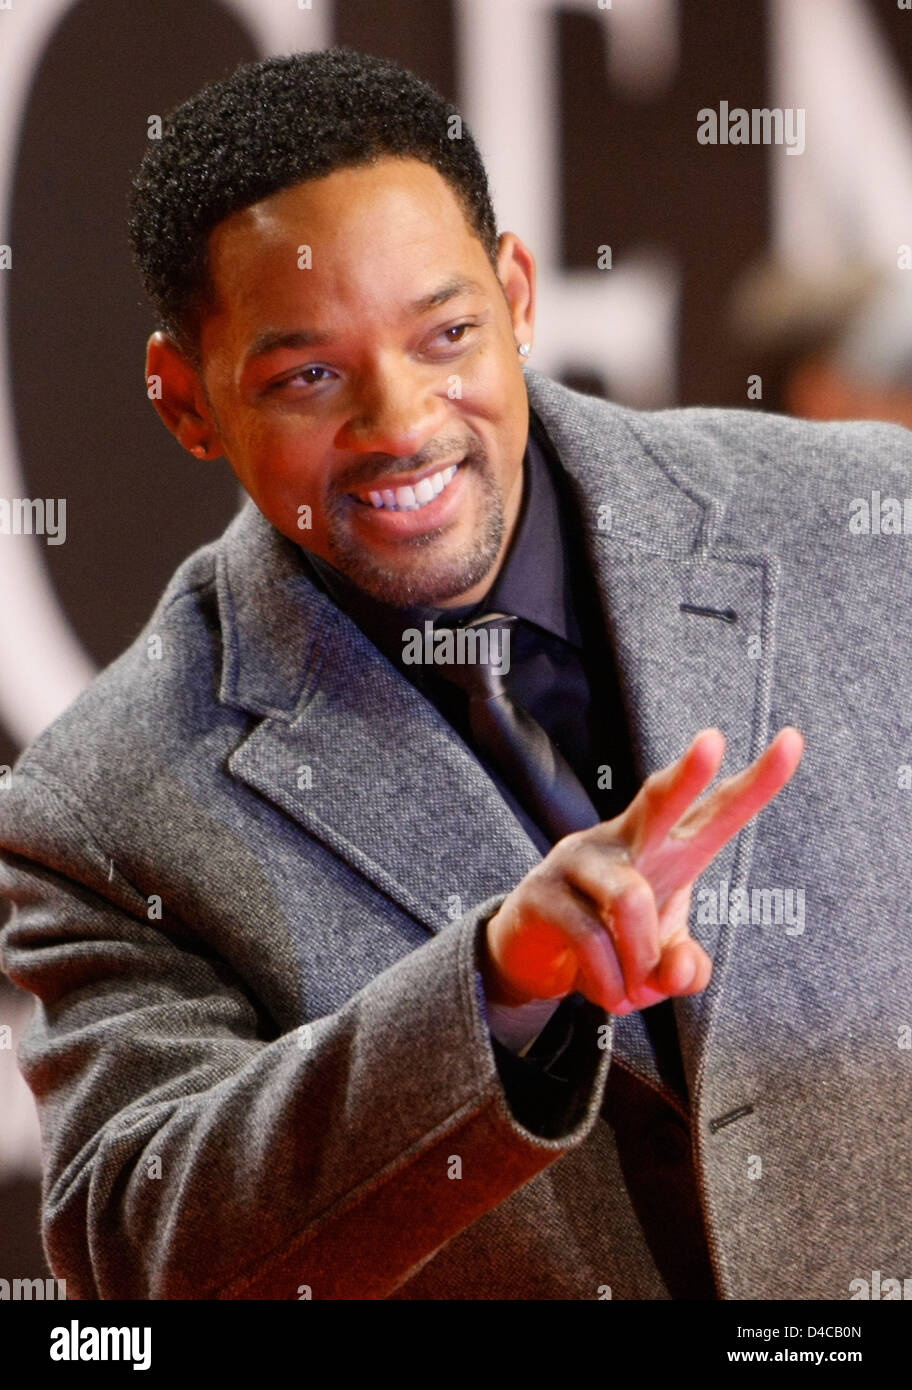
(383, 465)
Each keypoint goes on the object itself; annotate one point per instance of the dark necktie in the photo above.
(513, 741)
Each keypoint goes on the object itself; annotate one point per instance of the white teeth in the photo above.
(410, 499)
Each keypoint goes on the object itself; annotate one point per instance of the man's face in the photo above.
(390, 362)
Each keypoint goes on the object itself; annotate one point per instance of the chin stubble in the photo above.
(435, 580)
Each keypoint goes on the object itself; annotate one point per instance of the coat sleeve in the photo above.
(192, 1150)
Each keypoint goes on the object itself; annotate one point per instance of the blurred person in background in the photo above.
(837, 347)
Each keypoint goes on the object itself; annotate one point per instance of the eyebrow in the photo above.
(302, 338)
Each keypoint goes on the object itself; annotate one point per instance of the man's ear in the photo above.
(516, 272)
(176, 391)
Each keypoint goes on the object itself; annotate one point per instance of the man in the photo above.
(363, 976)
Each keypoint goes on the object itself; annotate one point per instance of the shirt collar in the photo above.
(533, 581)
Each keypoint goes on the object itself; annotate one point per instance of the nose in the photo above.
(398, 409)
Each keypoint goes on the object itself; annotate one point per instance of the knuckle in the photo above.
(630, 887)
(538, 903)
(571, 847)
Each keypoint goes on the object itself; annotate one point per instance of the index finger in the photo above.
(713, 821)
(666, 795)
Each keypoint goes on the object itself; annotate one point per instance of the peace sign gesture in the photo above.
(606, 911)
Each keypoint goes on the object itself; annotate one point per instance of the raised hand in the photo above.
(606, 912)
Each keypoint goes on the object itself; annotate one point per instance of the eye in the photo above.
(302, 375)
(461, 328)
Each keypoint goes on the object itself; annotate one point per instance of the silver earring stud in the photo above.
(199, 450)
(525, 349)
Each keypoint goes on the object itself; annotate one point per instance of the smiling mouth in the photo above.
(410, 498)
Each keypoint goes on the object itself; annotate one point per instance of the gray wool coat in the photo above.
(250, 866)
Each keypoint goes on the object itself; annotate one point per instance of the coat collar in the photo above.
(393, 789)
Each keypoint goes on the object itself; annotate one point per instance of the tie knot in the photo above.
(476, 655)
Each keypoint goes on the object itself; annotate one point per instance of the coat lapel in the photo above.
(349, 749)
(354, 754)
(692, 626)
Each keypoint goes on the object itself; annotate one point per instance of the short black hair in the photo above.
(268, 126)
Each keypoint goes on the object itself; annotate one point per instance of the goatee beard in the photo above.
(435, 583)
